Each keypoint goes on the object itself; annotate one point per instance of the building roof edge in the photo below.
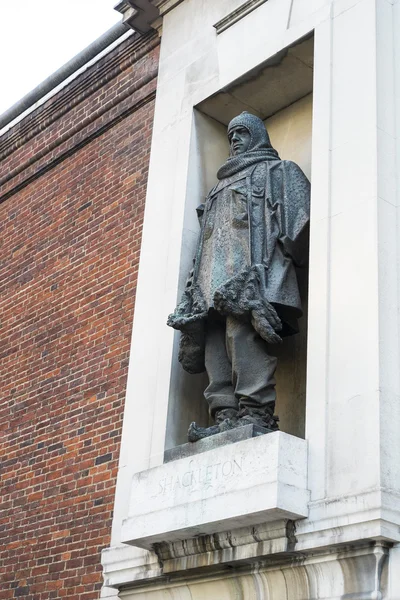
(73, 67)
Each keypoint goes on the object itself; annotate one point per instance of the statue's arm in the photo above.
(295, 228)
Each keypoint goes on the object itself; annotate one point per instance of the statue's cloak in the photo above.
(254, 232)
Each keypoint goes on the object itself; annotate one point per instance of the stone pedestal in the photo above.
(231, 436)
(244, 483)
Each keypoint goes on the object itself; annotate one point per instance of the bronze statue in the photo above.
(242, 294)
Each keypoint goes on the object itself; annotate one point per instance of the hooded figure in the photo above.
(242, 293)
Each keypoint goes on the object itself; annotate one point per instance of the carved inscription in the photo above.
(202, 477)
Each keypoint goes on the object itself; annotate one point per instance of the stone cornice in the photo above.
(165, 6)
(144, 15)
(237, 14)
(138, 14)
(124, 568)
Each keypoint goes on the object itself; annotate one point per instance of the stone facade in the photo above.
(72, 192)
(217, 59)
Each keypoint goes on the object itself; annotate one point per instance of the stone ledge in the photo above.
(215, 441)
(288, 575)
(258, 480)
(228, 548)
(271, 545)
(138, 14)
(143, 15)
(124, 564)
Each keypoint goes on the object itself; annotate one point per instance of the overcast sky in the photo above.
(39, 36)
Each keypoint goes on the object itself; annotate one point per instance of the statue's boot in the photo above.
(225, 419)
(262, 417)
(231, 419)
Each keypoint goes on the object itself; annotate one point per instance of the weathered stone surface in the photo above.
(246, 543)
(361, 572)
(215, 441)
(246, 483)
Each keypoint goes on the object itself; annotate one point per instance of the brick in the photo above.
(103, 459)
(72, 191)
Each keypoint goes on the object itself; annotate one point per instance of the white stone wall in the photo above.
(290, 131)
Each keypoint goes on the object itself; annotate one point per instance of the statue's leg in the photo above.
(222, 402)
(219, 392)
(253, 374)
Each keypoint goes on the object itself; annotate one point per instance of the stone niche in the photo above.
(248, 493)
(280, 92)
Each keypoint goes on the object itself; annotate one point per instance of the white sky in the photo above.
(39, 36)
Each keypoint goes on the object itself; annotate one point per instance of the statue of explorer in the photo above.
(242, 295)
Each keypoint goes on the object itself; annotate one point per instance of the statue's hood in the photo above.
(259, 138)
(259, 150)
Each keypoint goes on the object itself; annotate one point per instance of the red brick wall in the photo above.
(72, 191)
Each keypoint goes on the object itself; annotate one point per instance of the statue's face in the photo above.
(239, 140)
